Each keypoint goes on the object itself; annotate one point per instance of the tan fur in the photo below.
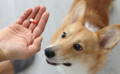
(93, 54)
(95, 12)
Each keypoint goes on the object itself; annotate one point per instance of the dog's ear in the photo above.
(109, 36)
(76, 13)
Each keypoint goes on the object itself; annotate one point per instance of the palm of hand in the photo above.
(22, 39)
(18, 39)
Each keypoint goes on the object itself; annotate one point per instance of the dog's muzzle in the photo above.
(50, 54)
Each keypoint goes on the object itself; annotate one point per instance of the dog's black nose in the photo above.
(49, 53)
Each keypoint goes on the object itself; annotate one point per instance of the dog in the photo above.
(83, 41)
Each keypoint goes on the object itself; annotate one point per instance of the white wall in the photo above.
(11, 9)
(6, 12)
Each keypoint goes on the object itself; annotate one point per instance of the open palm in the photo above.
(22, 39)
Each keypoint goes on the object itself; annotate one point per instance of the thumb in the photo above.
(35, 46)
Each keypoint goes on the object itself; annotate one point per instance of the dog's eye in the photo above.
(63, 35)
(77, 47)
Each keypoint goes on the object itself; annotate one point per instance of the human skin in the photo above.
(22, 39)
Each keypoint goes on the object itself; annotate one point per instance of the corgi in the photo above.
(83, 41)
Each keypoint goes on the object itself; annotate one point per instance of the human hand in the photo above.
(23, 38)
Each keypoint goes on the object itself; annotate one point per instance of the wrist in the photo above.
(3, 52)
(3, 57)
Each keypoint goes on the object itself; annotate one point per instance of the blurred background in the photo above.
(10, 10)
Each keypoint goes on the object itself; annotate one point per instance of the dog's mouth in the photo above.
(55, 64)
(52, 63)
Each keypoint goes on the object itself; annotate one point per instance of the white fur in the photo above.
(91, 27)
(74, 69)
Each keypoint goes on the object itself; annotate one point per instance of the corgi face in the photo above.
(72, 44)
(76, 44)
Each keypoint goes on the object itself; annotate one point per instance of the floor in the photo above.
(57, 9)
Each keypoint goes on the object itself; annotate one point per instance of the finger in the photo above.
(24, 16)
(39, 29)
(37, 18)
(35, 11)
(27, 22)
(35, 47)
